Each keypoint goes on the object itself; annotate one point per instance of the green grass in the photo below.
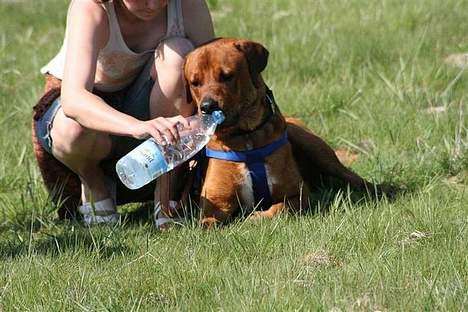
(362, 74)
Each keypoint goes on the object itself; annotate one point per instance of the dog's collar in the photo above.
(271, 110)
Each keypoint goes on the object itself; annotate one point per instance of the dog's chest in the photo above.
(245, 193)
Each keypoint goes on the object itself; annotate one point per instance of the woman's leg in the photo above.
(167, 99)
(81, 150)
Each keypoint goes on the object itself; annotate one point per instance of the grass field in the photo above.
(368, 76)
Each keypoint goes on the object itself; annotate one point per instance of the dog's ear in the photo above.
(188, 93)
(256, 54)
(189, 98)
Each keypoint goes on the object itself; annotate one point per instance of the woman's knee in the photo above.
(70, 140)
(168, 95)
(170, 56)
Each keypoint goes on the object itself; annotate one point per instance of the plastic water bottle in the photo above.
(149, 160)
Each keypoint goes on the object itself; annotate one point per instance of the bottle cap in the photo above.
(218, 116)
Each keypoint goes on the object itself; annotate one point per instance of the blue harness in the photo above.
(255, 161)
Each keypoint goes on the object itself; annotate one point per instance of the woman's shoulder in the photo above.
(87, 10)
(88, 17)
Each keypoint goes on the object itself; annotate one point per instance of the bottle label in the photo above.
(152, 158)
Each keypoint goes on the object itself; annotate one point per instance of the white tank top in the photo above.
(117, 65)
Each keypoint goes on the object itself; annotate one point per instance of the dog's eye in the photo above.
(223, 77)
(195, 83)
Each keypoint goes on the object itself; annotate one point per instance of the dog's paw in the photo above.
(261, 215)
(209, 222)
(388, 190)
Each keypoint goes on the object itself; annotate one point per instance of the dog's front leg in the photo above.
(219, 200)
(213, 214)
(297, 203)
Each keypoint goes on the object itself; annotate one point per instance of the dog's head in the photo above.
(225, 74)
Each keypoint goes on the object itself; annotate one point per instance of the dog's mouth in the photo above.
(238, 120)
(231, 120)
(233, 114)
(230, 123)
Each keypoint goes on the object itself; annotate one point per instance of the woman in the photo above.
(120, 72)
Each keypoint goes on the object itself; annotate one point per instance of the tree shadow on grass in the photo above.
(141, 215)
(54, 241)
(330, 191)
(27, 235)
(53, 238)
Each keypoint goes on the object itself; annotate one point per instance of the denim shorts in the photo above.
(134, 101)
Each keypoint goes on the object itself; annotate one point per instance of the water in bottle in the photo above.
(149, 160)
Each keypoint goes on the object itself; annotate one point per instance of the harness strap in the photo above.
(248, 155)
(255, 161)
(260, 183)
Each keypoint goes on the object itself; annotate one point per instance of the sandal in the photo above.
(160, 221)
(100, 212)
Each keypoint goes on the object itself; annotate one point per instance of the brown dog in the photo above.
(225, 74)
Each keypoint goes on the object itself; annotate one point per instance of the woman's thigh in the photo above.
(73, 143)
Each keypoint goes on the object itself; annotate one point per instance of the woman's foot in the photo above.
(161, 220)
(100, 212)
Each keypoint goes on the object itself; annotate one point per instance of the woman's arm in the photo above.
(88, 32)
(197, 21)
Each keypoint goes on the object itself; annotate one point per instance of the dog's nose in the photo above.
(208, 106)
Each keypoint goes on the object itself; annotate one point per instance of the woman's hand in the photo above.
(163, 130)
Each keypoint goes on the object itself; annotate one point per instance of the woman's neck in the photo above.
(138, 34)
(130, 18)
